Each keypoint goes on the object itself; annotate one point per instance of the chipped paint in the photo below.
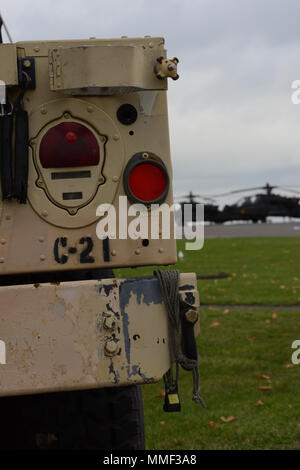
(110, 293)
(186, 287)
(107, 288)
(114, 372)
(136, 370)
(147, 290)
(57, 341)
(125, 324)
(189, 298)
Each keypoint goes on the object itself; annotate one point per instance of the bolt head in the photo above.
(109, 323)
(27, 63)
(111, 348)
(191, 315)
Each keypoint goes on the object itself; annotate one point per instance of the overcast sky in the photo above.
(232, 121)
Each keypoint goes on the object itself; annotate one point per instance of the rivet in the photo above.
(41, 239)
(113, 252)
(1, 260)
(111, 347)
(109, 323)
(67, 115)
(43, 111)
(42, 257)
(36, 48)
(44, 213)
(90, 109)
(137, 252)
(191, 315)
(27, 63)
(116, 137)
(2, 241)
(115, 179)
(161, 250)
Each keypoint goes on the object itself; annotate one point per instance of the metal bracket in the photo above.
(27, 65)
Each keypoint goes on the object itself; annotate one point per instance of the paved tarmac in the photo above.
(285, 229)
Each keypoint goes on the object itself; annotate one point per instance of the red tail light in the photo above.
(146, 179)
(69, 144)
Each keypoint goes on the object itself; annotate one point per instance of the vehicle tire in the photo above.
(101, 419)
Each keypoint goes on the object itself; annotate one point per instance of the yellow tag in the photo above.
(173, 398)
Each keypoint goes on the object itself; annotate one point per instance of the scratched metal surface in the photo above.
(55, 336)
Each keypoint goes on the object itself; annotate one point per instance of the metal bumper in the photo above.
(87, 334)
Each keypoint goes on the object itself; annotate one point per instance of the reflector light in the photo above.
(69, 144)
(71, 137)
(146, 180)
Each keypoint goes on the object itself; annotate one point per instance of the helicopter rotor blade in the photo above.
(194, 196)
(285, 188)
(187, 196)
(239, 191)
(213, 197)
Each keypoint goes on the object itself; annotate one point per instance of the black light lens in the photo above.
(127, 114)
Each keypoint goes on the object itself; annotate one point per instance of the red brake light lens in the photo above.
(146, 180)
(69, 144)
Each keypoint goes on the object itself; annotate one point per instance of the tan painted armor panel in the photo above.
(96, 77)
(86, 334)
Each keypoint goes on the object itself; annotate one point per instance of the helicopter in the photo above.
(249, 208)
(212, 212)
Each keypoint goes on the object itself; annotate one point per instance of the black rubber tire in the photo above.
(102, 419)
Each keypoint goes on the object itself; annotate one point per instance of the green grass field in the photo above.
(230, 369)
(264, 271)
(241, 350)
